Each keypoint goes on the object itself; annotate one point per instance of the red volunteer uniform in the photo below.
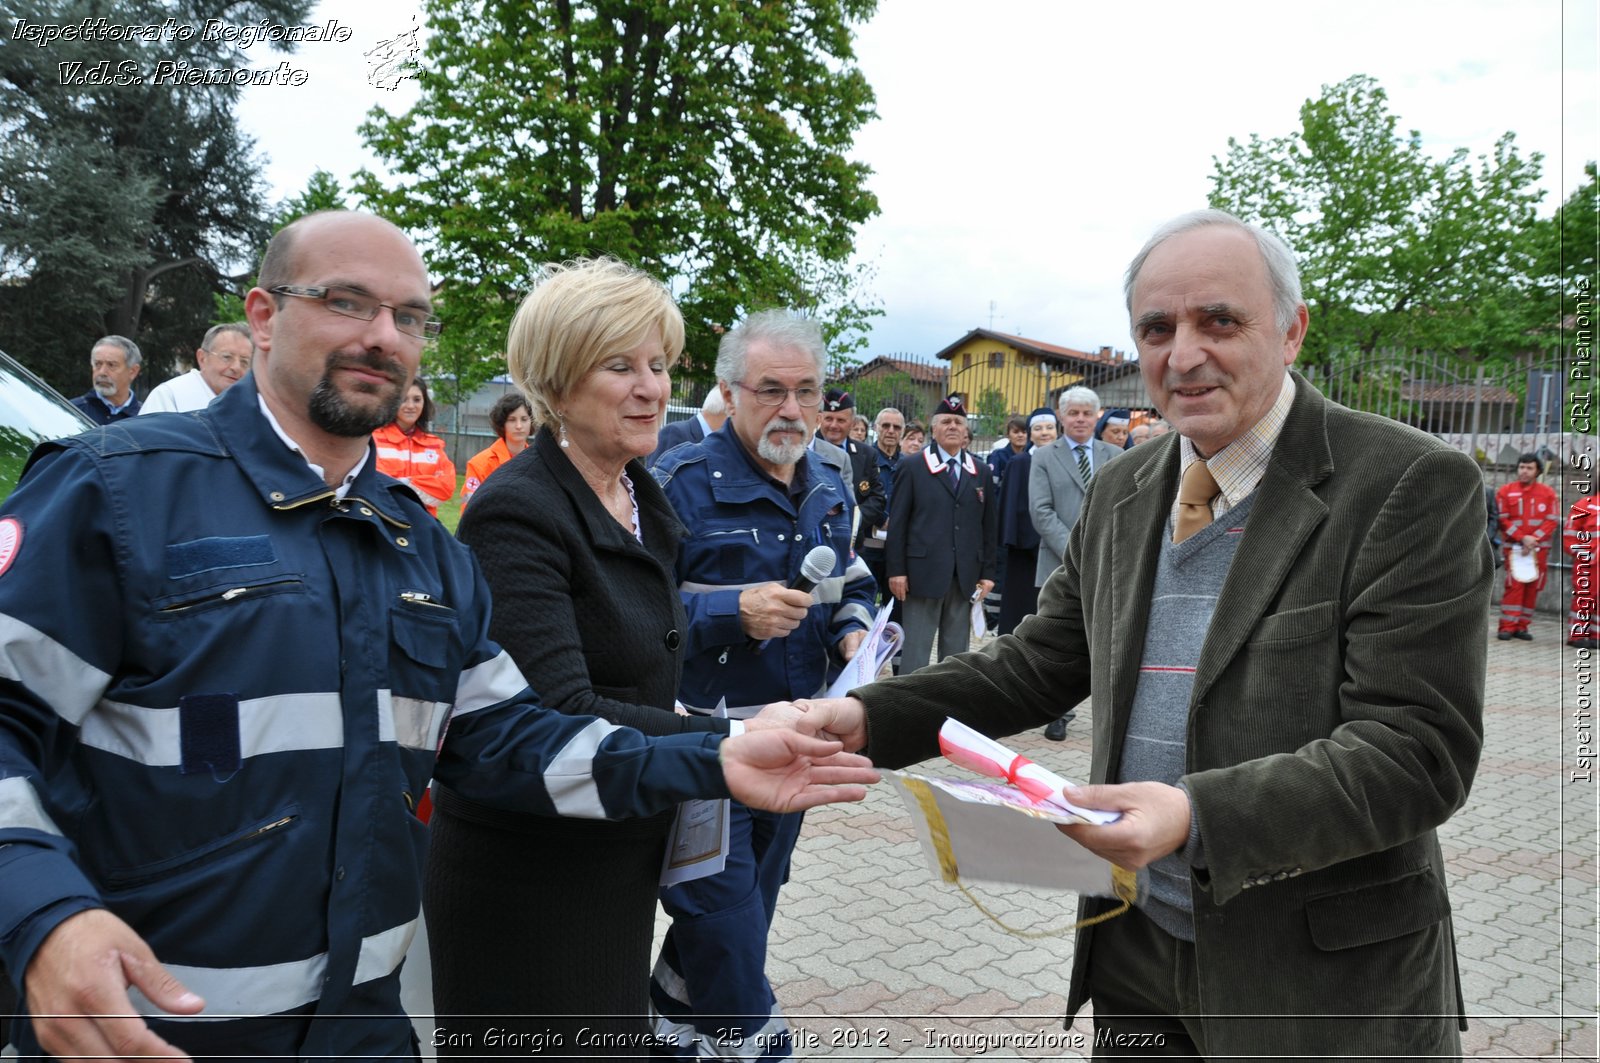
(1525, 509)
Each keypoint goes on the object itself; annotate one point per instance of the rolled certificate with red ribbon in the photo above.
(962, 745)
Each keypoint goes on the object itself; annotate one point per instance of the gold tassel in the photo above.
(1124, 883)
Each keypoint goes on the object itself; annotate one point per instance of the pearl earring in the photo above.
(565, 442)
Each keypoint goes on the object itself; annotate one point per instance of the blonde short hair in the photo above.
(579, 313)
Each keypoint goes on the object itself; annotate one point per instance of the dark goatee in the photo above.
(336, 415)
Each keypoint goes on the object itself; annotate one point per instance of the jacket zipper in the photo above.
(225, 596)
(423, 598)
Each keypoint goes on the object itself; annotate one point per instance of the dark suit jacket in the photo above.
(1016, 513)
(864, 481)
(937, 536)
(671, 435)
(1055, 497)
(95, 408)
(1335, 721)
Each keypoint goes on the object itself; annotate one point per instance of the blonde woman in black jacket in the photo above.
(542, 917)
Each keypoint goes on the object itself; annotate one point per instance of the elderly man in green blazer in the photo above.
(1280, 612)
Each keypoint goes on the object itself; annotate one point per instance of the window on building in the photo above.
(997, 360)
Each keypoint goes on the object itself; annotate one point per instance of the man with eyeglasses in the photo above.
(885, 454)
(756, 500)
(217, 853)
(221, 361)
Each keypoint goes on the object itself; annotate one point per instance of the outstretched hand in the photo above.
(77, 989)
(783, 771)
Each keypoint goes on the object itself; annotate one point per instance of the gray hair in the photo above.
(713, 403)
(888, 409)
(129, 349)
(1283, 274)
(237, 327)
(1078, 396)
(777, 328)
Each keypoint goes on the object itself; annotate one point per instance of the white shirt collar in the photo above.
(338, 492)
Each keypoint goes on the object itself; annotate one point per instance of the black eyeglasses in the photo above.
(347, 302)
(772, 395)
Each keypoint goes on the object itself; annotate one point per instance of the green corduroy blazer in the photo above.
(1335, 722)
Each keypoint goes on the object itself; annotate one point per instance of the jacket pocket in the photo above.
(191, 861)
(221, 594)
(1295, 625)
(428, 662)
(1381, 911)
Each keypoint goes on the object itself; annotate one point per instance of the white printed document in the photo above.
(697, 846)
(877, 649)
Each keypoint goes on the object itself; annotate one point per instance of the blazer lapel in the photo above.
(1285, 513)
(938, 469)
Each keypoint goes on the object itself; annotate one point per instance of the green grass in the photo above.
(450, 512)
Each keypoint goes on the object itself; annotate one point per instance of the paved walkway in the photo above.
(873, 959)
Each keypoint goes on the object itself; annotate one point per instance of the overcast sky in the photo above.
(1022, 158)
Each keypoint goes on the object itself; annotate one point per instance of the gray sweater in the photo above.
(1189, 578)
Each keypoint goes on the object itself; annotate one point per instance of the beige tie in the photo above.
(1194, 501)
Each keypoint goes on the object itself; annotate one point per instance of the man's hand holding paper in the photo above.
(1154, 821)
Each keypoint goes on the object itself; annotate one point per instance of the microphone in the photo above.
(814, 568)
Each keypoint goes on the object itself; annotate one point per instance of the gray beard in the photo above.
(780, 454)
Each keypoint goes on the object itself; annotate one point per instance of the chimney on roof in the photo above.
(1105, 354)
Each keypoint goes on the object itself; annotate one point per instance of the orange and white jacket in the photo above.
(419, 459)
(480, 465)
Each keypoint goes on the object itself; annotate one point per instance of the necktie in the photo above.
(1194, 501)
(1083, 461)
(955, 473)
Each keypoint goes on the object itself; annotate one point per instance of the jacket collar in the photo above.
(602, 529)
(935, 463)
(282, 477)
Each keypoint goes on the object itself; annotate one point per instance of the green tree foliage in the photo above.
(322, 193)
(1567, 244)
(124, 208)
(873, 393)
(991, 410)
(1396, 248)
(705, 142)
